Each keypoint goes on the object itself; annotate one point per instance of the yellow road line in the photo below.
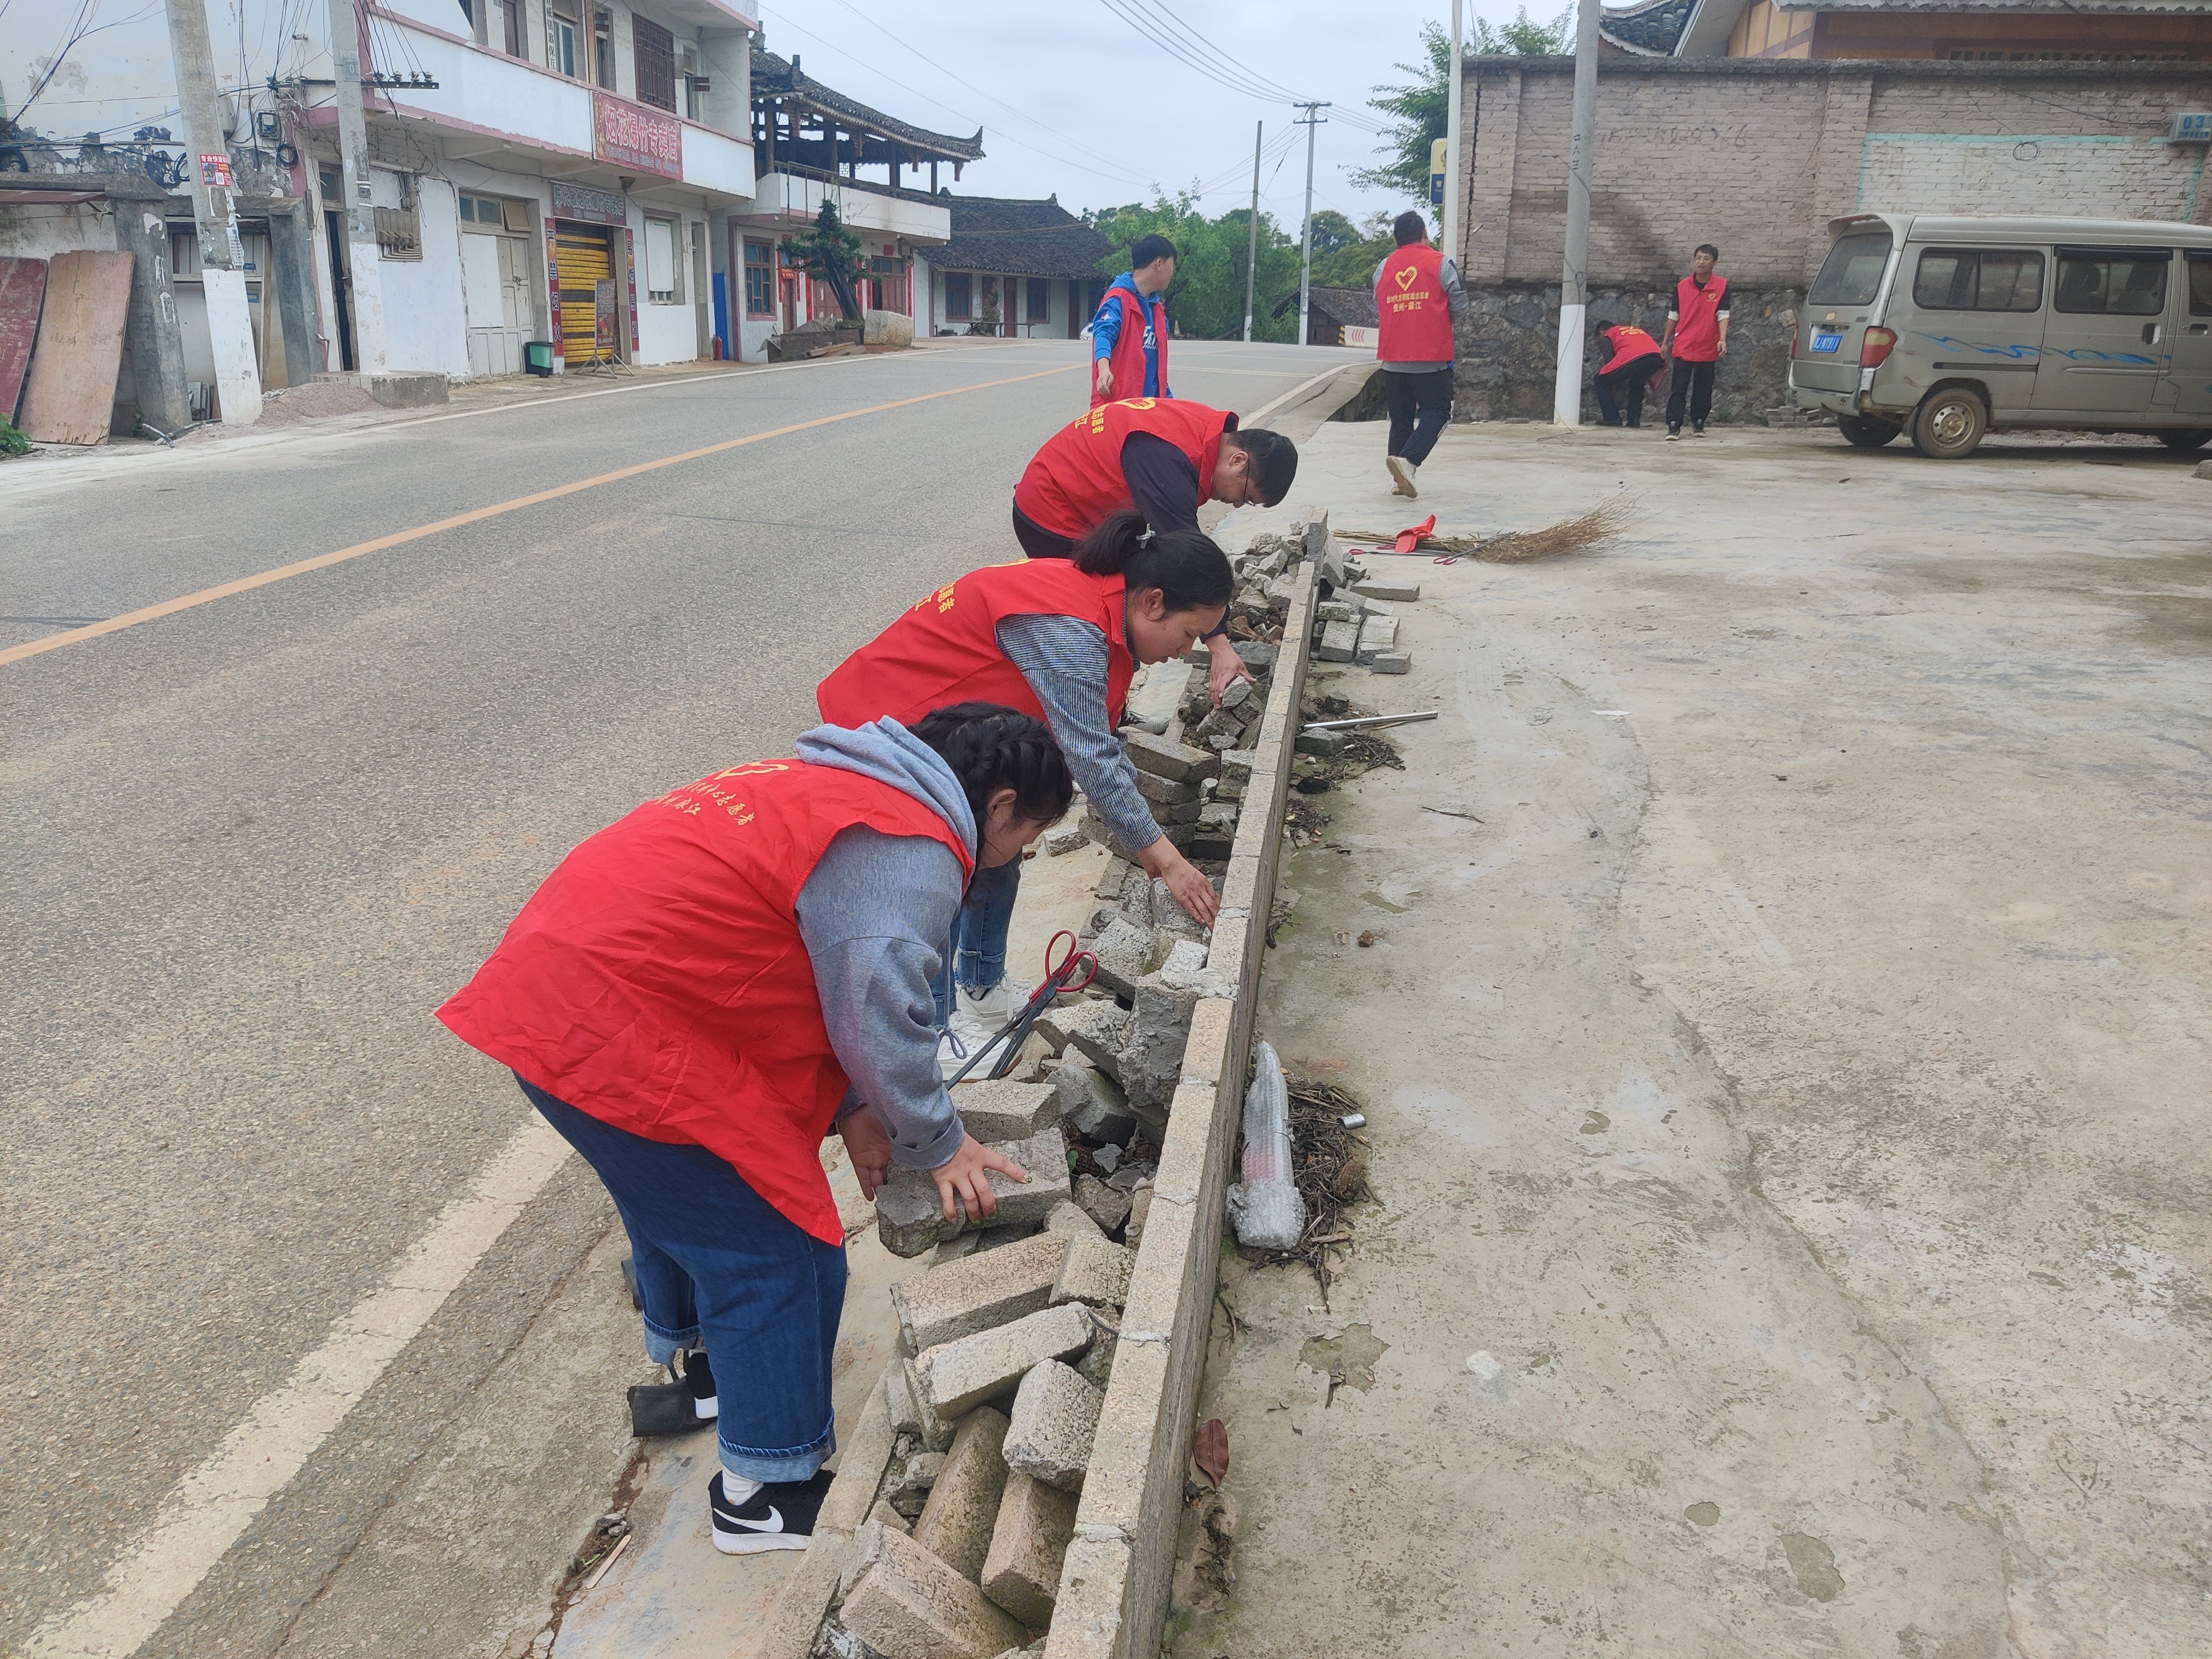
(323, 560)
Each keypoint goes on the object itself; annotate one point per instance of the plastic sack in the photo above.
(1265, 1207)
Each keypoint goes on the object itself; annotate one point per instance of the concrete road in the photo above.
(1784, 1041)
(251, 845)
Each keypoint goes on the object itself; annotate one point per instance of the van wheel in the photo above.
(1864, 432)
(1950, 423)
(2186, 443)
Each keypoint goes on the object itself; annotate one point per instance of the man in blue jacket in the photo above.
(1129, 334)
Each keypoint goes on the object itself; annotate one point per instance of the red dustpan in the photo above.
(1410, 540)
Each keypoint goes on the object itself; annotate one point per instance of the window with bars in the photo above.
(656, 64)
(959, 296)
(1039, 300)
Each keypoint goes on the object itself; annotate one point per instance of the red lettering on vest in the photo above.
(945, 649)
(657, 979)
(1076, 480)
(1411, 311)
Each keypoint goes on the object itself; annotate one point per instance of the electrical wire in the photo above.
(1123, 174)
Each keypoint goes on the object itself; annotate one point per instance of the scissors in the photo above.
(1059, 976)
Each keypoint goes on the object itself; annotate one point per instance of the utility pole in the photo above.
(1453, 191)
(1312, 125)
(1574, 276)
(362, 251)
(1252, 238)
(222, 257)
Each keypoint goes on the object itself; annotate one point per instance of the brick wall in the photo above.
(1757, 155)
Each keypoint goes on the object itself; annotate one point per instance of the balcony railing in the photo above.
(796, 193)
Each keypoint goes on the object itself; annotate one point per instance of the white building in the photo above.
(557, 170)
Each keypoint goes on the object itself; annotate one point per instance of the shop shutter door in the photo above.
(586, 260)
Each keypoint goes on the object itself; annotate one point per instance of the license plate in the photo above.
(1826, 342)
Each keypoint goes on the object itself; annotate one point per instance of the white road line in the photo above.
(212, 1506)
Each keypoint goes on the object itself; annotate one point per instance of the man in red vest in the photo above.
(1129, 334)
(1634, 357)
(1697, 329)
(1166, 460)
(1416, 295)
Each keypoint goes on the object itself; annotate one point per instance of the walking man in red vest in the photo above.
(1696, 331)
(1129, 334)
(1416, 295)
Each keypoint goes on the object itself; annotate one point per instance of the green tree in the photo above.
(1207, 299)
(832, 252)
(1418, 108)
(1351, 259)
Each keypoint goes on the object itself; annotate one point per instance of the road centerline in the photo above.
(476, 515)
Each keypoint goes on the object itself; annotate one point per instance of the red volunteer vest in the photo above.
(1126, 360)
(1410, 308)
(1628, 343)
(1697, 319)
(657, 979)
(945, 650)
(1076, 480)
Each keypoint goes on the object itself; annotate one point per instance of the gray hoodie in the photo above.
(876, 914)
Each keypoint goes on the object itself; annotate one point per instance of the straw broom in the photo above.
(1575, 535)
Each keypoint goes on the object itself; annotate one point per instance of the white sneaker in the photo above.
(1402, 471)
(994, 1007)
(963, 1036)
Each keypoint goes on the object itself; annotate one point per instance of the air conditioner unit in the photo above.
(687, 58)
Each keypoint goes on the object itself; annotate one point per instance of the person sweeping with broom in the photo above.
(1060, 639)
(699, 993)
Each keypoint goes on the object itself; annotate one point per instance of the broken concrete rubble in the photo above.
(1102, 1203)
(1093, 1271)
(910, 1216)
(1094, 1027)
(1092, 1104)
(996, 1110)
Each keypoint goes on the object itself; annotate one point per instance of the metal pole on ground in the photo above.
(222, 257)
(1252, 238)
(1574, 276)
(362, 251)
(1453, 190)
(1312, 125)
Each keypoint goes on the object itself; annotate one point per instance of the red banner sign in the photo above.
(633, 136)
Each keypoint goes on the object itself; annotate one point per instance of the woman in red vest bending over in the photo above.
(1633, 357)
(699, 992)
(1060, 639)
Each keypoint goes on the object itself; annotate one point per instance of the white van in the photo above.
(1948, 328)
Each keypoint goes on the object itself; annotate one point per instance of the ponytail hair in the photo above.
(1191, 572)
(990, 748)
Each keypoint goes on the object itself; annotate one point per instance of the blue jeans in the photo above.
(719, 1267)
(976, 954)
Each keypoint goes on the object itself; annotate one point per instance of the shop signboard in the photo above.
(631, 136)
(587, 206)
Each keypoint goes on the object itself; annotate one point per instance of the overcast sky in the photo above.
(1074, 100)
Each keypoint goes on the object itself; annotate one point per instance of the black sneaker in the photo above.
(677, 1407)
(1698, 430)
(779, 1516)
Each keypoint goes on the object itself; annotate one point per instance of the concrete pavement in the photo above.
(252, 845)
(1783, 1046)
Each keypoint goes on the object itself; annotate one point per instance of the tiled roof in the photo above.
(1354, 307)
(777, 78)
(1013, 237)
(1652, 28)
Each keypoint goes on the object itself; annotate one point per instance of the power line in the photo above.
(1124, 174)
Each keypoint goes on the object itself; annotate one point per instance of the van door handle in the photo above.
(2200, 328)
(2150, 333)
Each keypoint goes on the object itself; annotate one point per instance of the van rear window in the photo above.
(1852, 275)
(1978, 279)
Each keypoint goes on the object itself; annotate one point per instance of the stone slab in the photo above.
(1093, 1271)
(995, 1287)
(1093, 1027)
(1392, 662)
(1377, 635)
(1177, 762)
(955, 1524)
(905, 1604)
(1375, 588)
(1340, 642)
(1049, 1432)
(955, 1376)
(1021, 1573)
(910, 1217)
(996, 1110)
